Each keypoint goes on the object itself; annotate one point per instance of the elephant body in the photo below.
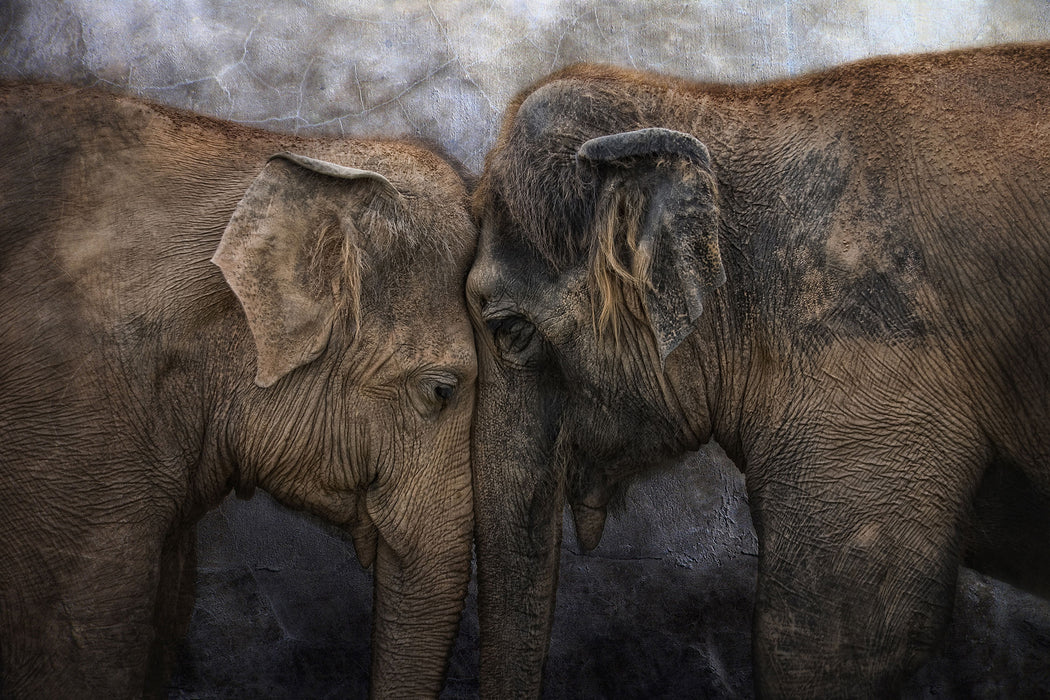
(183, 317)
(841, 278)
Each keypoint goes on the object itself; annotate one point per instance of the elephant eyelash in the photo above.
(511, 334)
(435, 393)
(444, 392)
(441, 393)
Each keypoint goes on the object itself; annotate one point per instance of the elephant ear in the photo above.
(657, 227)
(291, 253)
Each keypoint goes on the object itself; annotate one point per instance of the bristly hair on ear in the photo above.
(335, 267)
(618, 270)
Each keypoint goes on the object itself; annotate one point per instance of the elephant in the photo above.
(840, 278)
(192, 306)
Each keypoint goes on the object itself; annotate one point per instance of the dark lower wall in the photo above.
(662, 608)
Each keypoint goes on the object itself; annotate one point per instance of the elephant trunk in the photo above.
(424, 521)
(518, 514)
(416, 612)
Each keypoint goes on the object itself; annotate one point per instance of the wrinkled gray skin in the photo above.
(184, 315)
(840, 278)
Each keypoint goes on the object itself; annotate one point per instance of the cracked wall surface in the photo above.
(662, 607)
(444, 70)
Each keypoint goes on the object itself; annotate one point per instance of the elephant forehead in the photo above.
(505, 264)
(422, 330)
(558, 306)
(433, 329)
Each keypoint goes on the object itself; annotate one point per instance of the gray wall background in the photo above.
(662, 607)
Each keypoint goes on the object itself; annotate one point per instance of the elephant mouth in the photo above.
(589, 503)
(590, 524)
(364, 534)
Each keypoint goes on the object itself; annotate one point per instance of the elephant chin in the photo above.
(590, 523)
(365, 535)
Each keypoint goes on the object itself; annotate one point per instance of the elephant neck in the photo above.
(708, 374)
(216, 402)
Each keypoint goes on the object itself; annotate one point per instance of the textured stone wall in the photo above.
(445, 69)
(662, 607)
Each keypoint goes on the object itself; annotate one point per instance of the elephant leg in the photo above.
(858, 562)
(79, 614)
(176, 589)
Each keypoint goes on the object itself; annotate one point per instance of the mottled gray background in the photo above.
(661, 608)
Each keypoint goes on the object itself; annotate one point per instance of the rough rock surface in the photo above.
(662, 607)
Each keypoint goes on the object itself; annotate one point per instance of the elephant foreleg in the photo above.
(80, 615)
(175, 597)
(858, 562)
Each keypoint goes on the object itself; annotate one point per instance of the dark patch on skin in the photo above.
(19, 207)
(820, 179)
(870, 297)
(871, 308)
(552, 392)
(874, 307)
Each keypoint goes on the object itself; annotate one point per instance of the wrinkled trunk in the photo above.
(518, 492)
(416, 610)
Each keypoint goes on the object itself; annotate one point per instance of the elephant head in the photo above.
(598, 251)
(351, 283)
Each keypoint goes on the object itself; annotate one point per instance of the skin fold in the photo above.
(185, 315)
(841, 278)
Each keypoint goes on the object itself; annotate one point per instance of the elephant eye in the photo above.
(443, 393)
(512, 334)
(434, 394)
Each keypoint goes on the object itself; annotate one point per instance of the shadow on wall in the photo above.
(283, 608)
(661, 609)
